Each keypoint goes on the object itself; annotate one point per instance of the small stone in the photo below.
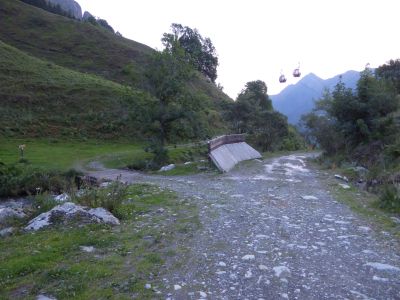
(7, 231)
(222, 264)
(177, 287)
(248, 274)
(147, 286)
(263, 268)
(248, 257)
(203, 294)
(281, 271)
(88, 249)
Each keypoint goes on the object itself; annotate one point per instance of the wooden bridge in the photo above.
(228, 150)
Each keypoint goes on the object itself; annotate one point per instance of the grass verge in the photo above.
(125, 257)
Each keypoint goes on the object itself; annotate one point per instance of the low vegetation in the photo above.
(124, 258)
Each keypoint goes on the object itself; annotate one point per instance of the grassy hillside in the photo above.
(81, 46)
(39, 98)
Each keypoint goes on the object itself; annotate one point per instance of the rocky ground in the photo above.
(271, 230)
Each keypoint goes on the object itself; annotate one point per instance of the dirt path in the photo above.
(270, 230)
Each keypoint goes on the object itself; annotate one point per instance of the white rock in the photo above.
(382, 267)
(167, 168)
(105, 184)
(7, 231)
(376, 278)
(44, 297)
(187, 163)
(147, 286)
(344, 178)
(7, 212)
(281, 271)
(222, 264)
(309, 197)
(344, 186)
(203, 294)
(67, 211)
(248, 274)
(177, 287)
(263, 268)
(62, 198)
(248, 257)
(88, 249)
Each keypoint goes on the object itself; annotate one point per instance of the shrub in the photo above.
(390, 198)
(110, 198)
(23, 179)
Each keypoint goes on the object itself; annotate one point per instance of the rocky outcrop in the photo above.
(68, 213)
(87, 15)
(70, 6)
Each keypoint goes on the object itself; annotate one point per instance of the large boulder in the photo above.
(70, 6)
(72, 213)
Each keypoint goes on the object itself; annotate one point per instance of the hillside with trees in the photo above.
(361, 128)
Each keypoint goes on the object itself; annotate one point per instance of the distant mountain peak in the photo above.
(298, 99)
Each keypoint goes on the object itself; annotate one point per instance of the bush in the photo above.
(22, 179)
(110, 198)
(390, 198)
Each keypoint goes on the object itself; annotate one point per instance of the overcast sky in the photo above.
(255, 39)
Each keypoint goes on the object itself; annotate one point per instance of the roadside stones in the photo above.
(167, 168)
(70, 212)
(7, 231)
(308, 197)
(8, 212)
(281, 271)
(344, 178)
(248, 257)
(62, 198)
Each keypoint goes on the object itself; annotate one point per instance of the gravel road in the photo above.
(271, 230)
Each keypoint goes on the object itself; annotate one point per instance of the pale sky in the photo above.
(255, 39)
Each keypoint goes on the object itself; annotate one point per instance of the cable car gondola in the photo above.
(282, 78)
(296, 72)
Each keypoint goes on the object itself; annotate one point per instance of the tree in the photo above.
(390, 71)
(199, 51)
(175, 113)
(252, 113)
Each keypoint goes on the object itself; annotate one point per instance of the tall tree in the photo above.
(199, 52)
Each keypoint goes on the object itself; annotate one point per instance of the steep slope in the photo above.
(82, 46)
(298, 99)
(39, 98)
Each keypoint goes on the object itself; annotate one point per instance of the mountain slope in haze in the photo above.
(298, 99)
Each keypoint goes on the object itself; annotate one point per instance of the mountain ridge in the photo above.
(298, 99)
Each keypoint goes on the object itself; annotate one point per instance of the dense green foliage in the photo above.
(391, 72)
(22, 179)
(359, 127)
(199, 52)
(252, 113)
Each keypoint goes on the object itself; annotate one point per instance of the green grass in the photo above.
(63, 154)
(50, 261)
(40, 99)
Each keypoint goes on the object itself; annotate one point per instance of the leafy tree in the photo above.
(252, 113)
(345, 120)
(175, 113)
(390, 71)
(199, 52)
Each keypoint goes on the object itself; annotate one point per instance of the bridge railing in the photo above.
(225, 139)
